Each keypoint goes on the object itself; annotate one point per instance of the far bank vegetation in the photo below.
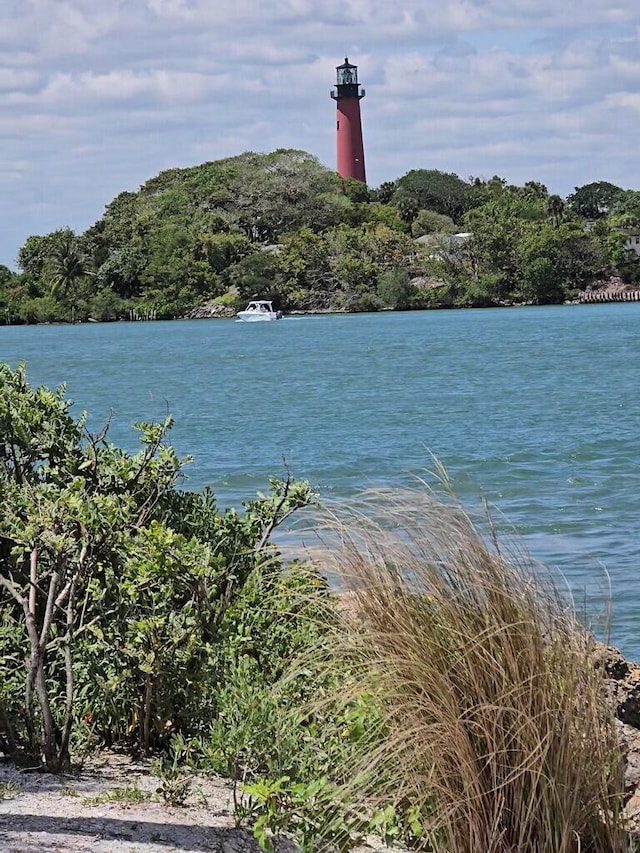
(281, 226)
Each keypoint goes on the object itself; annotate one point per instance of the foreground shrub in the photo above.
(495, 728)
(116, 587)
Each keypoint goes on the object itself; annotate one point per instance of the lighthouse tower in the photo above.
(347, 96)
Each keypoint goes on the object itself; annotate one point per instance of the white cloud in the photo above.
(67, 92)
(171, 8)
(624, 101)
(15, 79)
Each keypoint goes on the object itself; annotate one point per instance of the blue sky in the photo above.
(98, 97)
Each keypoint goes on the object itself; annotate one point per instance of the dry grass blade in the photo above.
(493, 703)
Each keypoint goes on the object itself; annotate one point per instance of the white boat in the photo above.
(259, 311)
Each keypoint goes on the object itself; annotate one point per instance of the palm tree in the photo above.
(408, 209)
(66, 266)
(385, 191)
(555, 209)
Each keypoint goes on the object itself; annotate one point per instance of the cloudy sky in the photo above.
(98, 96)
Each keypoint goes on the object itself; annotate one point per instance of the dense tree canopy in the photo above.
(284, 227)
(594, 200)
(428, 189)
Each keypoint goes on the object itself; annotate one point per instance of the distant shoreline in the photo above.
(594, 297)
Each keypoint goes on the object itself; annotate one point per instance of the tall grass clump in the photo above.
(496, 730)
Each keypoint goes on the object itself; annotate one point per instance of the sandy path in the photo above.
(48, 813)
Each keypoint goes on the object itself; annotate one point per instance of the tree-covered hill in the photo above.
(283, 226)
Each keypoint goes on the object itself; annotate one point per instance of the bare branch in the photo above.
(275, 519)
(11, 587)
(33, 579)
(68, 665)
(99, 437)
(48, 613)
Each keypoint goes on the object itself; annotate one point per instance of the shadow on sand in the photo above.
(82, 833)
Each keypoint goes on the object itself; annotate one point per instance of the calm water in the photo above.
(534, 409)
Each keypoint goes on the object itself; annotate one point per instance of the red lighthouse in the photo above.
(347, 96)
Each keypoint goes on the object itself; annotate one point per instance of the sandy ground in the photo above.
(48, 813)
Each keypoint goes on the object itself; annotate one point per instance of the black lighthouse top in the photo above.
(347, 82)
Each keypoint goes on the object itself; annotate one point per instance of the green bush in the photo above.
(116, 587)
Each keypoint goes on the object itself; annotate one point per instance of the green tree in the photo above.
(114, 585)
(484, 191)
(594, 200)
(7, 276)
(394, 289)
(535, 190)
(254, 276)
(494, 250)
(120, 272)
(66, 266)
(431, 189)
(356, 191)
(117, 226)
(626, 209)
(33, 257)
(280, 192)
(173, 275)
(384, 193)
(543, 271)
(430, 222)
(555, 263)
(358, 256)
(385, 214)
(408, 209)
(306, 274)
(66, 508)
(222, 250)
(555, 209)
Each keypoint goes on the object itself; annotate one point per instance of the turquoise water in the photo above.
(534, 409)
